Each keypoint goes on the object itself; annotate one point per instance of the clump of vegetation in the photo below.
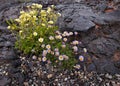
(37, 34)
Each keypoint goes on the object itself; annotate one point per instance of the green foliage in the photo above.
(37, 33)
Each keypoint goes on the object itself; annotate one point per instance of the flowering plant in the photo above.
(37, 34)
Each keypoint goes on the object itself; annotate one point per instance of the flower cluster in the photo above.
(37, 34)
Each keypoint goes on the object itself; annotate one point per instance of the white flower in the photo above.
(8, 27)
(33, 50)
(44, 59)
(59, 14)
(35, 33)
(43, 24)
(39, 59)
(49, 9)
(50, 22)
(39, 6)
(63, 46)
(35, 18)
(65, 33)
(64, 39)
(70, 33)
(51, 38)
(22, 12)
(85, 50)
(43, 45)
(17, 20)
(58, 37)
(40, 40)
(20, 31)
(48, 46)
(61, 57)
(48, 50)
(58, 32)
(53, 6)
(81, 58)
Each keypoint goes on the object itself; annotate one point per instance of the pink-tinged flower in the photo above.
(52, 52)
(56, 49)
(34, 57)
(44, 59)
(58, 32)
(61, 57)
(65, 57)
(75, 48)
(81, 58)
(48, 61)
(76, 33)
(75, 42)
(44, 53)
(57, 53)
(65, 33)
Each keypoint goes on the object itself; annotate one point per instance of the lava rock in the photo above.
(91, 67)
(4, 81)
(110, 18)
(103, 47)
(110, 68)
(8, 54)
(75, 17)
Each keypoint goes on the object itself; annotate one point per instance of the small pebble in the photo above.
(107, 84)
(117, 75)
(56, 80)
(26, 84)
(49, 76)
(108, 76)
(65, 79)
